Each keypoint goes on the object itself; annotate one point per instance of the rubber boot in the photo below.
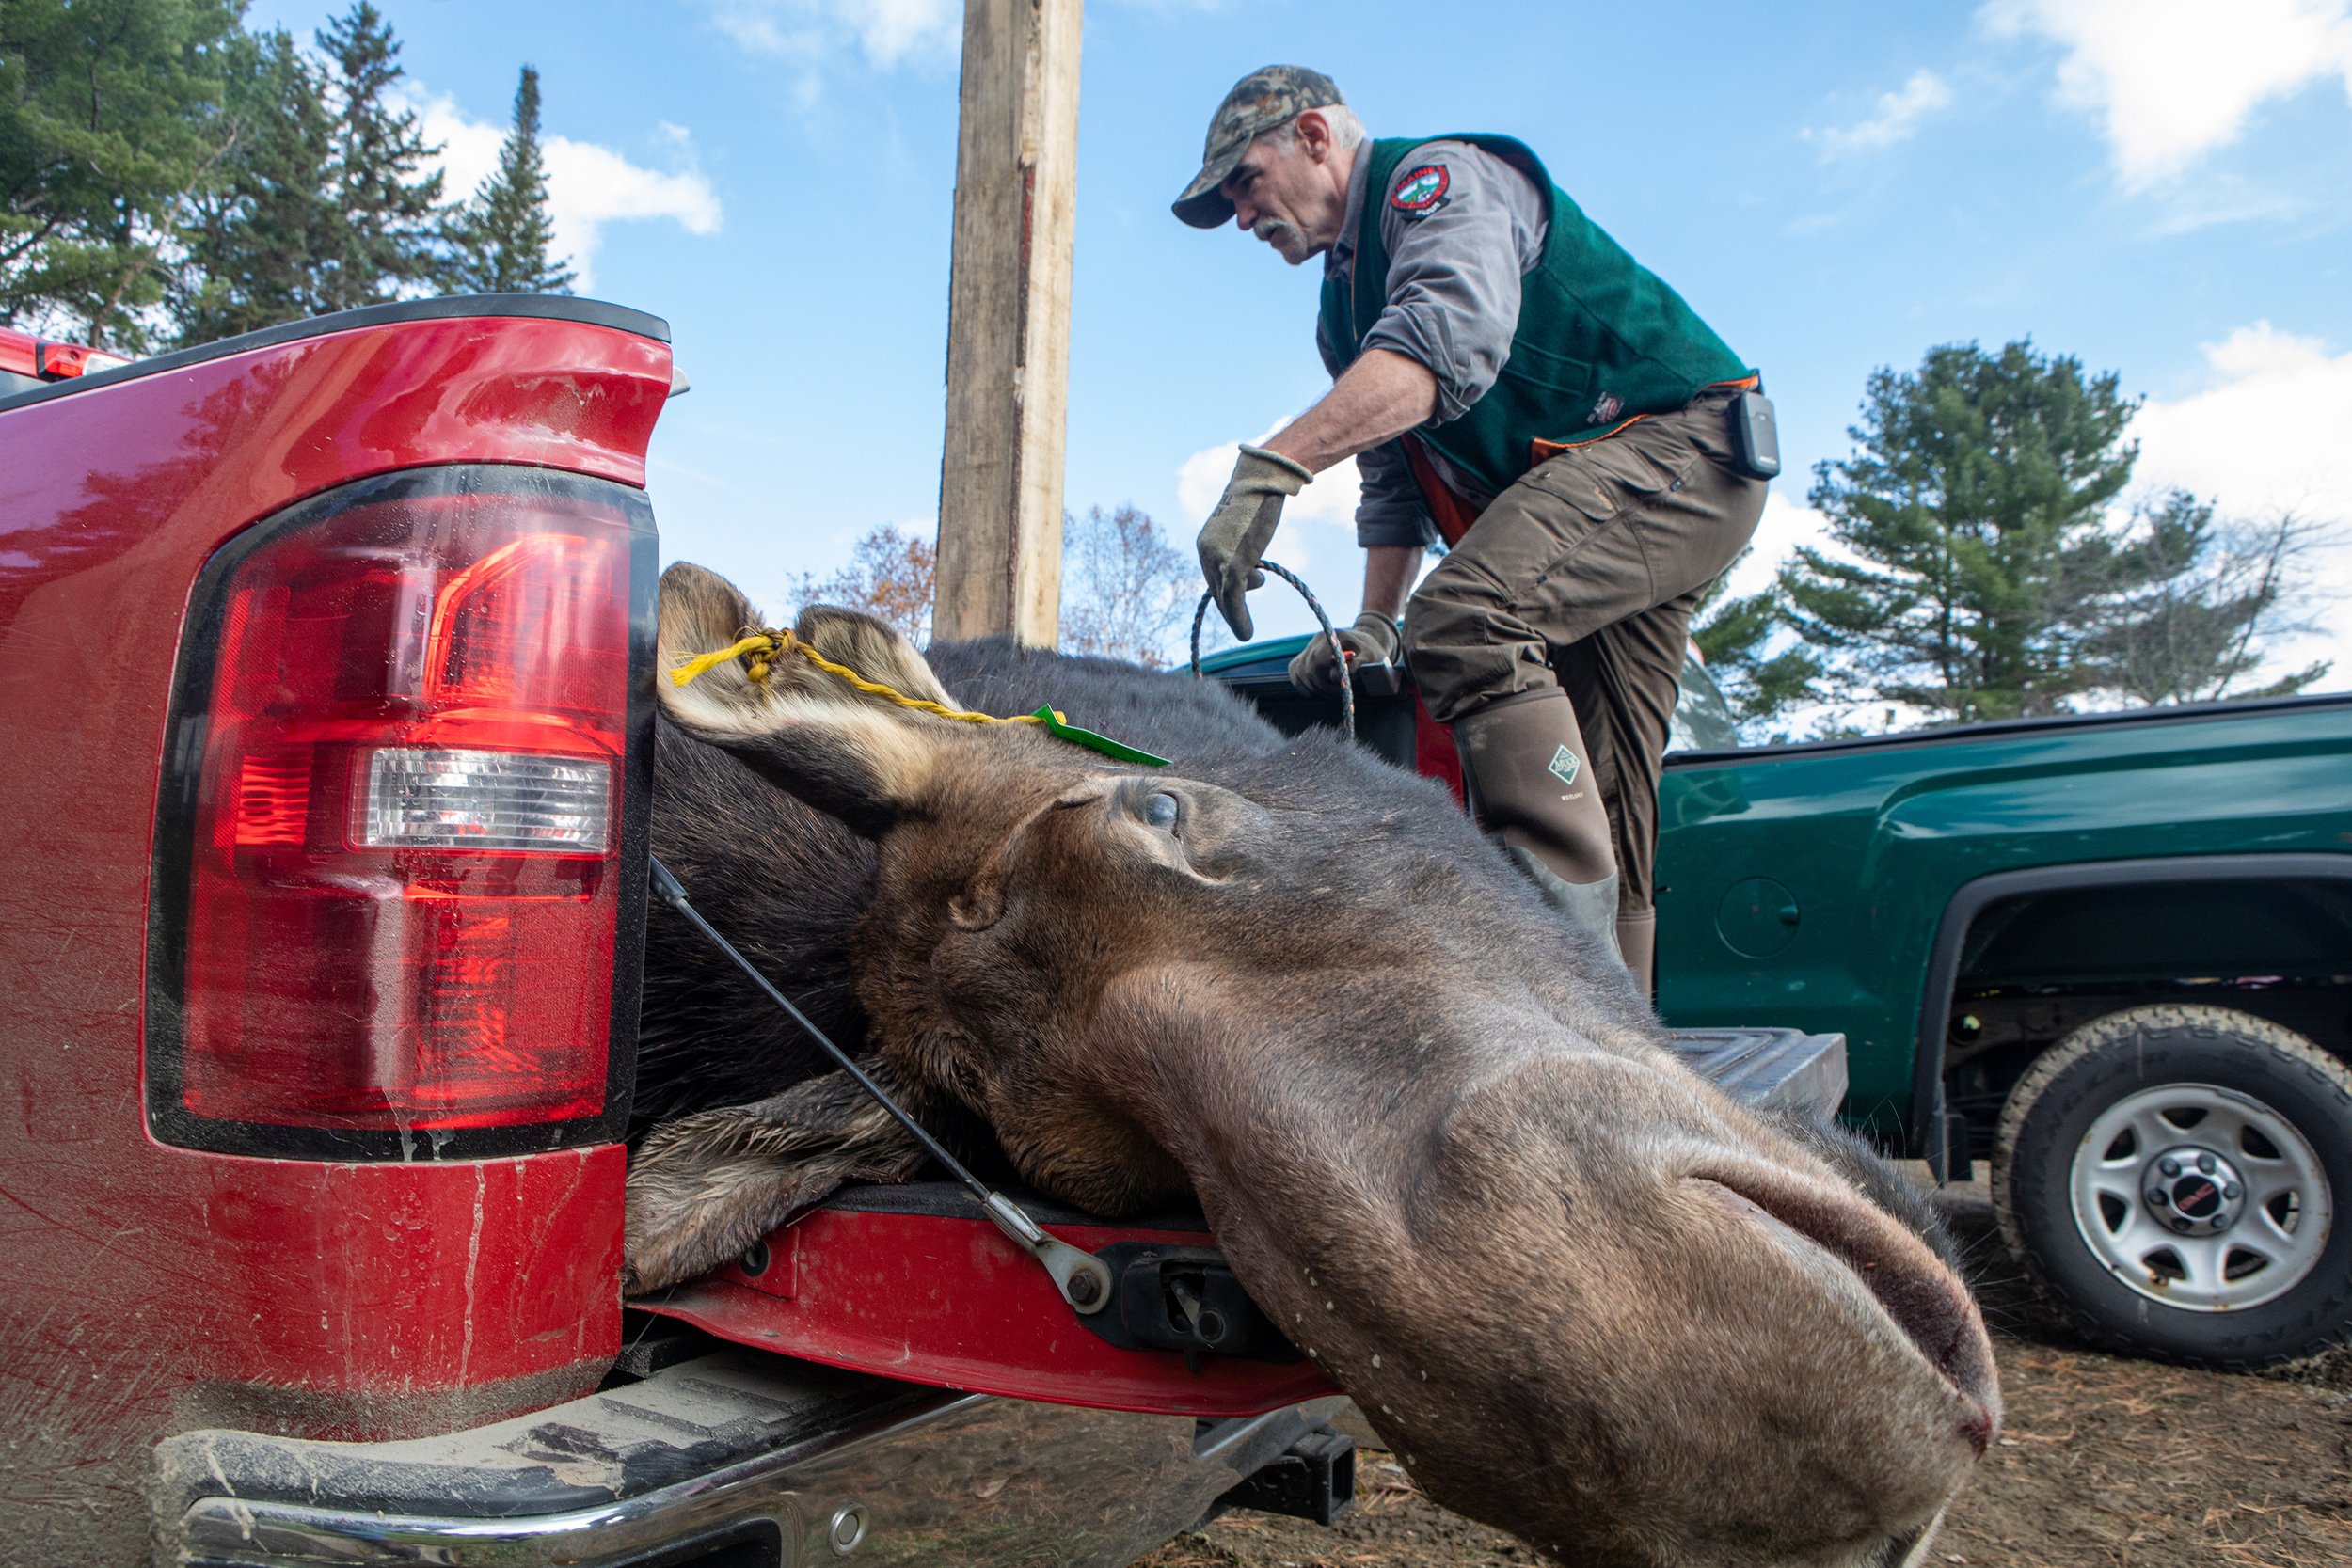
(1523, 764)
(1637, 944)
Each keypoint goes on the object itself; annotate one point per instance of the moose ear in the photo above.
(852, 756)
(874, 648)
(851, 761)
(702, 613)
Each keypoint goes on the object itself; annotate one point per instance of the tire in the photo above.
(2256, 1123)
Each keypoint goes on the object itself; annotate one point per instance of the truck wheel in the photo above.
(2171, 1176)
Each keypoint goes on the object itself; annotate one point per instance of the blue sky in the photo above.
(2157, 187)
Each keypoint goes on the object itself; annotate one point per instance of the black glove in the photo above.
(1238, 531)
(1372, 639)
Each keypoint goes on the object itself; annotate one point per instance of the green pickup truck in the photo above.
(2111, 953)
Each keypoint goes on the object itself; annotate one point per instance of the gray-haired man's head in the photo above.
(1278, 153)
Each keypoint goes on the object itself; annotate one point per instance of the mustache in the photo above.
(1273, 230)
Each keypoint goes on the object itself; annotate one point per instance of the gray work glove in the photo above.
(1237, 532)
(1372, 639)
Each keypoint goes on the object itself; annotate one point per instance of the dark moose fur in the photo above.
(1583, 1297)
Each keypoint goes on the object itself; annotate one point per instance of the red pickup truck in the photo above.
(326, 670)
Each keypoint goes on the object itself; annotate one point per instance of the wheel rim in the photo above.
(2201, 1198)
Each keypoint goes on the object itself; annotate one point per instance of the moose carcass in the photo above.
(1583, 1297)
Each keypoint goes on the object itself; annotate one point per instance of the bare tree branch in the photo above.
(1125, 587)
(890, 576)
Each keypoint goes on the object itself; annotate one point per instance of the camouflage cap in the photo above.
(1260, 101)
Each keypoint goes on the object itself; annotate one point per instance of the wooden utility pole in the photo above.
(1000, 484)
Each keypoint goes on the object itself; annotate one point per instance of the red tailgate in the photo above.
(152, 1287)
(915, 1283)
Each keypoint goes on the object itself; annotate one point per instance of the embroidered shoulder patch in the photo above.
(1420, 189)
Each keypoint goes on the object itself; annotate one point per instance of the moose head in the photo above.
(1583, 1295)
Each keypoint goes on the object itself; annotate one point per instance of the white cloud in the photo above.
(1785, 524)
(589, 186)
(1201, 478)
(1330, 499)
(2221, 198)
(2176, 78)
(2267, 435)
(886, 31)
(1895, 118)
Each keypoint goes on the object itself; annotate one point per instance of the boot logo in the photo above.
(1563, 766)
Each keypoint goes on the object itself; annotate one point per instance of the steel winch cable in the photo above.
(1083, 1279)
(1346, 656)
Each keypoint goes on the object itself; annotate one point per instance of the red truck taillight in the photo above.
(401, 849)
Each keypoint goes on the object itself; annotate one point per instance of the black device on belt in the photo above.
(1755, 436)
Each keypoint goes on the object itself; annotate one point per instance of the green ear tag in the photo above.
(1093, 742)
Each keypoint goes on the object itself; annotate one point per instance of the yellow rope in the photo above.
(764, 644)
(757, 642)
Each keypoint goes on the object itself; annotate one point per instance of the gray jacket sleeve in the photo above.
(1390, 511)
(1458, 242)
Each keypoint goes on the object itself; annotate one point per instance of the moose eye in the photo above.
(1159, 808)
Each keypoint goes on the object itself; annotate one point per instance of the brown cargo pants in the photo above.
(1583, 576)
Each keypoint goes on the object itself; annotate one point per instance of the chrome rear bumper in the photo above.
(736, 1460)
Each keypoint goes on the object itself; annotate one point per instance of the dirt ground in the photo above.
(2104, 1463)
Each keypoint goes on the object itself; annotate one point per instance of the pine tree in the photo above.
(1762, 678)
(1974, 513)
(388, 239)
(1986, 571)
(259, 245)
(110, 122)
(498, 242)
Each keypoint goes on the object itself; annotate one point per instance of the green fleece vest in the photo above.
(1600, 339)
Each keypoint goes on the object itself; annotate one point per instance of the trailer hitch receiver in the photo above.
(1315, 1480)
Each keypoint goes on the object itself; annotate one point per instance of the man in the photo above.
(1513, 384)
